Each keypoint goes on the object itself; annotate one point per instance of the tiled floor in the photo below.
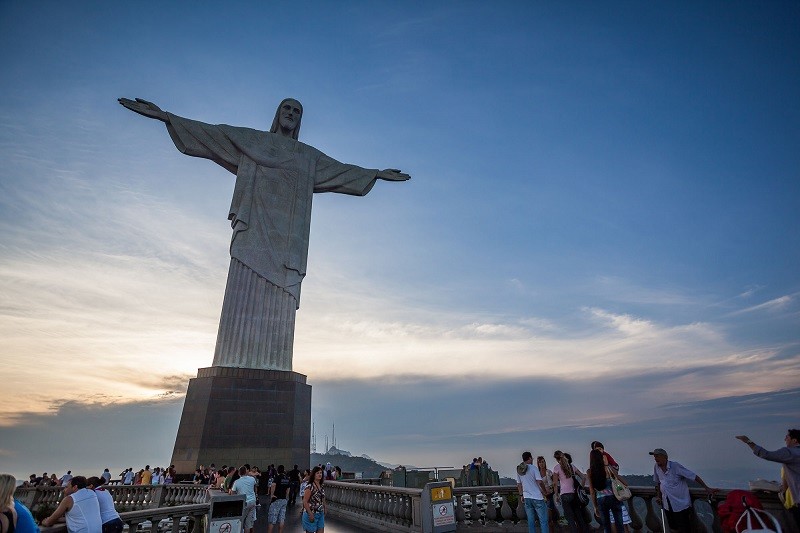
(293, 523)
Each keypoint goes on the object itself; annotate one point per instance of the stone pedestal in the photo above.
(234, 416)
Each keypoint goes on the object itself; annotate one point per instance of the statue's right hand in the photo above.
(143, 107)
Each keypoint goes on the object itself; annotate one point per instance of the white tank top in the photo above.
(107, 510)
(84, 517)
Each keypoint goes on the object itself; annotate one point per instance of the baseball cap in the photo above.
(659, 451)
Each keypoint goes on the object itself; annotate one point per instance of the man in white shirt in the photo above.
(80, 506)
(531, 488)
(672, 490)
(246, 484)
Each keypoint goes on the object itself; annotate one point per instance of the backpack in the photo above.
(734, 506)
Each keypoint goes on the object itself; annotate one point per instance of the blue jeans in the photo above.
(612, 504)
(534, 508)
(574, 513)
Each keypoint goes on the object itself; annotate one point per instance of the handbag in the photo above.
(620, 490)
(580, 492)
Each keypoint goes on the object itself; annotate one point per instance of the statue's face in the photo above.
(290, 114)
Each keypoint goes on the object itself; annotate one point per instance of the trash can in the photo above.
(226, 513)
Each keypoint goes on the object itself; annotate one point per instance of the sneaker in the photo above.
(563, 521)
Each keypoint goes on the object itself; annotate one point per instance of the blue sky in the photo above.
(599, 240)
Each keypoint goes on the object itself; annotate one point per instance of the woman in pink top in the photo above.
(564, 487)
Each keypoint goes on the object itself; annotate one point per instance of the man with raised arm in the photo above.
(276, 177)
(789, 456)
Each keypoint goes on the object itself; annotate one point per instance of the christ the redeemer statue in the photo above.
(276, 178)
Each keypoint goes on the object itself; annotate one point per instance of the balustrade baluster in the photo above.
(491, 511)
(474, 514)
(505, 510)
(166, 495)
(376, 504)
(652, 518)
(636, 520)
(461, 516)
(385, 503)
(522, 513)
(348, 498)
(373, 504)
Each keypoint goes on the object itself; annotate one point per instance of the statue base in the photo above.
(234, 416)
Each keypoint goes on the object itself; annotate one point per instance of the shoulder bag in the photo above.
(620, 489)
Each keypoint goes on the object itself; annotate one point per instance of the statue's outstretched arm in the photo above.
(143, 107)
(392, 174)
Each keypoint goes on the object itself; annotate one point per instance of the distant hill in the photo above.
(638, 480)
(366, 467)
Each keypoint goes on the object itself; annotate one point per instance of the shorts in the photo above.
(318, 523)
(626, 517)
(249, 515)
(277, 512)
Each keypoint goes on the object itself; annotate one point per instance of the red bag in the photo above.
(733, 507)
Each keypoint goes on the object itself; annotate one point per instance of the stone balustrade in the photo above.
(176, 519)
(395, 509)
(144, 507)
(374, 507)
(126, 497)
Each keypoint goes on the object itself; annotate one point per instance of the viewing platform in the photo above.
(365, 505)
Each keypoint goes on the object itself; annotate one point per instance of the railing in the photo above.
(374, 506)
(126, 497)
(488, 509)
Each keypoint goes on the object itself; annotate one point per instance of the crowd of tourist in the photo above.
(541, 488)
(566, 484)
(87, 507)
(275, 488)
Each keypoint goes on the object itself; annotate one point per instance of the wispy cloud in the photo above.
(772, 305)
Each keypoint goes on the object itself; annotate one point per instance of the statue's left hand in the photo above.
(393, 174)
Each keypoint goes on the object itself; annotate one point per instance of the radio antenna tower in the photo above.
(313, 439)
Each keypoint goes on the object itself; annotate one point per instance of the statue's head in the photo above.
(287, 118)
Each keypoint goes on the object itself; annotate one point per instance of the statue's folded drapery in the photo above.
(271, 216)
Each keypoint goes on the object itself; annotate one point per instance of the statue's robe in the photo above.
(276, 178)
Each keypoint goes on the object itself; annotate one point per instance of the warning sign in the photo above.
(443, 514)
(225, 528)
